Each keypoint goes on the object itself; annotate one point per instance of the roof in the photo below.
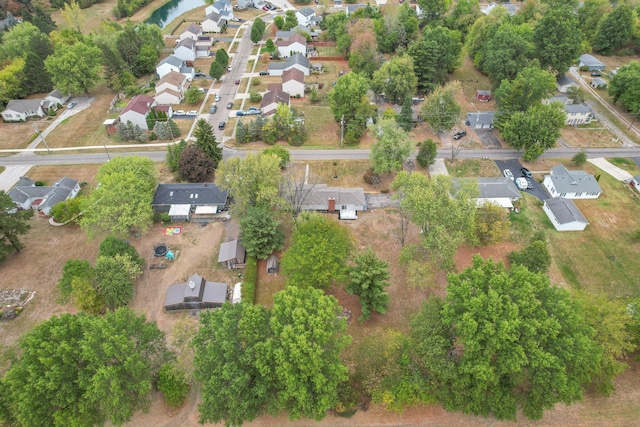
(566, 181)
(55, 94)
(193, 28)
(565, 210)
(485, 118)
(565, 80)
(192, 194)
(188, 43)
(171, 60)
(295, 38)
(140, 104)
(25, 189)
(215, 17)
(577, 108)
(299, 59)
(599, 81)
(353, 7)
(495, 188)
(231, 250)
(196, 289)
(307, 11)
(277, 96)
(318, 194)
(293, 74)
(173, 78)
(563, 99)
(24, 105)
(483, 92)
(60, 192)
(297, 29)
(180, 210)
(590, 61)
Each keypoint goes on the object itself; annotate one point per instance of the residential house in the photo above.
(233, 253)
(481, 120)
(270, 100)
(176, 64)
(137, 111)
(564, 82)
(564, 214)
(578, 114)
(298, 30)
(298, 61)
(185, 50)
(293, 82)
(483, 95)
(511, 8)
(56, 98)
(319, 197)
(20, 109)
(184, 200)
(598, 83)
(498, 191)
(562, 99)
(223, 8)
(590, 63)
(305, 15)
(245, 4)
(193, 31)
(296, 44)
(26, 195)
(353, 7)
(203, 46)
(214, 23)
(562, 182)
(195, 294)
(171, 88)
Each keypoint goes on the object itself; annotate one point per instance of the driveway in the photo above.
(619, 174)
(488, 139)
(514, 166)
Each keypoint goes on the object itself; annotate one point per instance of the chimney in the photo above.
(332, 205)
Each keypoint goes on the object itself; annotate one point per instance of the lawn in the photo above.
(19, 135)
(472, 168)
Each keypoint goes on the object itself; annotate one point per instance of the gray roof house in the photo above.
(185, 199)
(304, 16)
(297, 30)
(233, 253)
(564, 214)
(578, 114)
(599, 83)
(26, 195)
(353, 7)
(20, 109)
(591, 63)
(56, 97)
(195, 294)
(562, 182)
(319, 197)
(564, 82)
(498, 191)
(481, 120)
(297, 60)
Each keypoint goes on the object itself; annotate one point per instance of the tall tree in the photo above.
(368, 279)
(392, 148)
(349, 102)
(405, 118)
(427, 153)
(441, 110)
(507, 52)
(435, 54)
(503, 340)
(615, 30)
(363, 52)
(205, 139)
(261, 232)
(530, 86)
(625, 87)
(590, 14)
(535, 256)
(558, 44)
(194, 165)
(38, 78)
(115, 278)
(13, 223)
(41, 19)
(463, 16)
(75, 68)
(492, 224)
(396, 79)
(434, 9)
(17, 41)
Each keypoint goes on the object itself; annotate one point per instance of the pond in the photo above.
(171, 10)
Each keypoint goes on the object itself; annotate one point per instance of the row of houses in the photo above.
(293, 71)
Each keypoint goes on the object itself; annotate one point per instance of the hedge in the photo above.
(250, 280)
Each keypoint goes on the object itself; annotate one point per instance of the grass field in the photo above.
(472, 168)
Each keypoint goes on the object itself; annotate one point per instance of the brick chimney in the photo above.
(332, 205)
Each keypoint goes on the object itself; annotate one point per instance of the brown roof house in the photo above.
(137, 110)
(346, 201)
(293, 82)
(170, 88)
(272, 98)
(233, 253)
(195, 294)
(294, 44)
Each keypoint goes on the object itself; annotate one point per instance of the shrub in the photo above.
(112, 246)
(371, 177)
(579, 158)
(427, 153)
(250, 281)
(255, 96)
(173, 384)
(164, 217)
(73, 268)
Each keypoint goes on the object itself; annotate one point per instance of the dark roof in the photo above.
(298, 58)
(292, 74)
(319, 194)
(293, 39)
(307, 11)
(141, 104)
(565, 80)
(196, 289)
(26, 189)
(189, 194)
(566, 181)
(231, 250)
(577, 108)
(60, 192)
(189, 43)
(485, 118)
(193, 28)
(493, 188)
(277, 96)
(565, 210)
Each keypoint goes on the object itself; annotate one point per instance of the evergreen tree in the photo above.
(206, 140)
(405, 119)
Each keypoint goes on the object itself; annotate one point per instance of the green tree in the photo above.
(535, 256)
(205, 139)
(194, 164)
(75, 68)
(260, 232)
(503, 340)
(580, 158)
(72, 13)
(216, 70)
(73, 268)
(85, 370)
(112, 246)
(270, 46)
(41, 19)
(122, 202)
(348, 100)
(13, 223)
(115, 277)
(625, 87)
(590, 14)
(530, 86)
(405, 118)
(278, 21)
(363, 50)
(463, 16)
(318, 253)
(85, 296)
(290, 20)
(173, 384)
(222, 58)
(18, 38)
(67, 210)
(507, 52)
(434, 9)
(435, 53)
(193, 95)
(558, 44)
(392, 148)
(492, 224)
(13, 81)
(427, 153)
(396, 79)
(257, 31)
(440, 109)
(282, 153)
(302, 364)
(534, 130)
(615, 30)
(173, 154)
(368, 279)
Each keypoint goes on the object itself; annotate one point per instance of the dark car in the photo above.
(264, 73)
(200, 74)
(529, 184)
(596, 74)
(526, 173)
(213, 109)
(237, 82)
(229, 105)
(239, 113)
(459, 134)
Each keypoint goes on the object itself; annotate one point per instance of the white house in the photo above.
(193, 31)
(591, 63)
(562, 182)
(305, 16)
(56, 97)
(213, 23)
(137, 111)
(298, 61)
(20, 109)
(293, 82)
(220, 7)
(170, 88)
(272, 98)
(203, 46)
(26, 195)
(499, 191)
(185, 50)
(564, 214)
(294, 44)
(173, 63)
(578, 114)
(564, 82)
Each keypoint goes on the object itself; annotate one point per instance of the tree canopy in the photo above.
(435, 54)
(530, 86)
(396, 79)
(368, 279)
(441, 110)
(13, 223)
(261, 232)
(625, 87)
(392, 149)
(615, 30)
(348, 100)
(75, 68)
(558, 44)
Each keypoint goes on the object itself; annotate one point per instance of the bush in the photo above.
(250, 280)
(535, 257)
(73, 268)
(112, 246)
(281, 152)
(580, 158)
(255, 96)
(164, 217)
(173, 384)
(68, 209)
(194, 164)
(427, 153)
(371, 177)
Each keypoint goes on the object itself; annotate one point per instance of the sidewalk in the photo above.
(11, 175)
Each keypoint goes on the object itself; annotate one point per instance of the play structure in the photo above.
(160, 250)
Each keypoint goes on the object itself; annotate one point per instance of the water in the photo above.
(170, 11)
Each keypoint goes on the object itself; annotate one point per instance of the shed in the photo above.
(196, 293)
(599, 83)
(180, 212)
(233, 253)
(110, 125)
(483, 95)
(273, 264)
(237, 293)
(348, 214)
(564, 214)
(591, 63)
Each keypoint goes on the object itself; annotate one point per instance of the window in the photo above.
(578, 194)
(343, 207)
(563, 194)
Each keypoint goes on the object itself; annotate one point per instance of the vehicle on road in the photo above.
(265, 8)
(217, 98)
(238, 81)
(213, 109)
(221, 125)
(252, 111)
(200, 74)
(229, 68)
(529, 184)
(459, 134)
(71, 105)
(507, 174)
(526, 173)
(229, 105)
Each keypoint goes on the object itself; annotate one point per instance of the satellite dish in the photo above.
(192, 284)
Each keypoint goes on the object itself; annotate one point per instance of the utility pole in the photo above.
(341, 130)
(35, 127)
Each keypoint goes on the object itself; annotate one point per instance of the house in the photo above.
(304, 31)
(245, 4)
(171, 88)
(483, 95)
(173, 63)
(571, 184)
(56, 98)
(578, 114)
(214, 23)
(564, 214)
(26, 195)
(511, 8)
(564, 82)
(272, 98)
(346, 201)
(590, 63)
(221, 7)
(203, 46)
(293, 82)
(185, 50)
(353, 7)
(305, 15)
(481, 120)
(296, 44)
(298, 61)
(562, 99)
(195, 294)
(20, 109)
(598, 83)
(137, 111)
(194, 196)
(233, 253)
(193, 31)
(499, 191)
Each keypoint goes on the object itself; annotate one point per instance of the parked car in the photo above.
(507, 174)
(526, 173)
(529, 184)
(239, 113)
(200, 74)
(213, 109)
(192, 113)
(179, 113)
(217, 98)
(71, 105)
(264, 73)
(229, 68)
(238, 81)
(229, 105)
(596, 74)
(221, 125)
(521, 183)
(265, 8)
(459, 134)
(254, 109)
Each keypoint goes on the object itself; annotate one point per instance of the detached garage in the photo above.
(564, 214)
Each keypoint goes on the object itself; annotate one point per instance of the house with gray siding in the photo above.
(562, 182)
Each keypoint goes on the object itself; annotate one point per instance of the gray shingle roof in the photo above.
(307, 11)
(231, 250)
(565, 80)
(577, 108)
(566, 181)
(590, 61)
(60, 192)
(196, 289)
(172, 60)
(320, 193)
(189, 194)
(485, 118)
(493, 188)
(565, 210)
(24, 105)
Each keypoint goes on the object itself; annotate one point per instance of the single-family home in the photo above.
(170, 88)
(220, 7)
(182, 201)
(564, 214)
(185, 50)
(270, 100)
(233, 253)
(304, 31)
(564, 82)
(176, 64)
(293, 82)
(304, 16)
(21, 109)
(56, 97)
(319, 197)
(511, 8)
(193, 31)
(298, 61)
(137, 111)
(481, 120)
(353, 7)
(591, 63)
(598, 83)
(295, 44)
(499, 191)
(578, 114)
(562, 182)
(214, 23)
(26, 195)
(195, 294)
(483, 95)
(562, 99)
(245, 4)
(203, 46)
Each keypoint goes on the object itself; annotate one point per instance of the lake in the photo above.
(170, 11)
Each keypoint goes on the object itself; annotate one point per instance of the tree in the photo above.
(392, 149)
(257, 30)
(41, 19)
(122, 202)
(396, 79)
(435, 53)
(530, 86)
(427, 153)
(504, 339)
(233, 389)
(38, 79)
(367, 279)
(216, 70)
(18, 38)
(193, 96)
(434, 9)
(318, 253)
(173, 384)
(348, 101)
(72, 13)
(580, 158)
(73, 268)
(260, 232)
(625, 87)
(282, 153)
(194, 164)
(115, 278)
(405, 118)
(492, 224)
(270, 46)
(85, 370)
(112, 246)
(278, 21)
(13, 223)
(590, 14)
(441, 110)
(463, 16)
(534, 130)
(300, 363)
(205, 139)
(507, 52)
(85, 296)
(614, 30)
(75, 68)
(558, 44)
(222, 58)
(363, 51)
(12, 81)
(290, 20)
(535, 257)
(173, 154)
(252, 181)
(575, 94)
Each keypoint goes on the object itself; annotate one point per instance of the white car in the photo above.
(217, 98)
(507, 174)
(229, 68)
(179, 113)
(192, 113)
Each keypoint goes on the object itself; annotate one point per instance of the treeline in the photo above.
(59, 4)
(129, 7)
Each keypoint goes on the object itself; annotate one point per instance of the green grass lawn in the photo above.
(472, 168)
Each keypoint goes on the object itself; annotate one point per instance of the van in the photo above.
(222, 125)
(522, 183)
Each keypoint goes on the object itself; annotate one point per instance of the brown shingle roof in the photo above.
(293, 74)
(173, 78)
(140, 104)
(294, 38)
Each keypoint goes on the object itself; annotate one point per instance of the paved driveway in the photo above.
(514, 166)
(487, 138)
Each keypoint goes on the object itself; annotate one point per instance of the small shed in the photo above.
(237, 293)
(195, 294)
(180, 212)
(110, 125)
(233, 253)
(273, 264)
(483, 95)
(599, 83)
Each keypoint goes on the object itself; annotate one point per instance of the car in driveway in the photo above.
(507, 174)
(264, 73)
(71, 105)
(200, 74)
(229, 105)
(239, 113)
(179, 113)
(526, 173)
(596, 74)
(459, 134)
